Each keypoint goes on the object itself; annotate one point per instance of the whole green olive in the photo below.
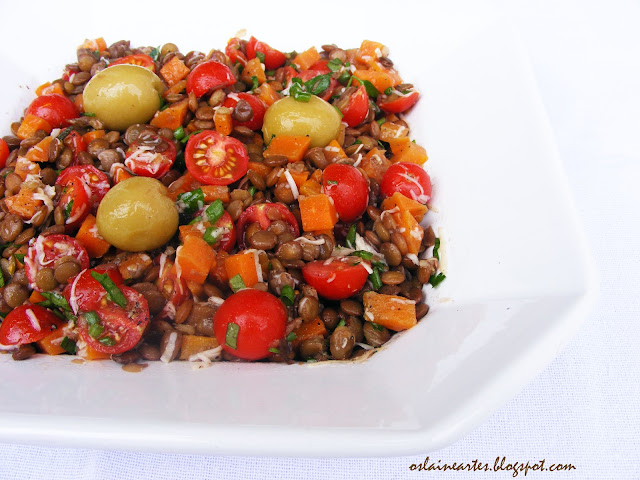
(137, 215)
(123, 95)
(315, 118)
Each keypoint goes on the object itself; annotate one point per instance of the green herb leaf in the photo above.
(1, 279)
(334, 64)
(351, 236)
(92, 318)
(210, 235)
(69, 345)
(312, 360)
(388, 91)
(95, 330)
(231, 336)
(65, 133)
(363, 254)
(371, 90)
(291, 337)
(190, 202)
(344, 78)
(338, 110)
(270, 73)
(196, 220)
(357, 142)
(57, 300)
(377, 327)
(252, 190)
(186, 138)
(19, 257)
(88, 114)
(255, 81)
(274, 350)
(178, 133)
(349, 82)
(179, 163)
(214, 211)
(332, 182)
(436, 280)
(318, 84)
(380, 121)
(341, 323)
(287, 295)
(379, 265)
(297, 90)
(108, 341)
(113, 292)
(436, 247)
(260, 56)
(154, 54)
(237, 283)
(375, 279)
(67, 209)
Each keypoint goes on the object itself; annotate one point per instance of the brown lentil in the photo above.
(351, 307)
(342, 343)
(308, 308)
(375, 336)
(131, 356)
(24, 351)
(15, 294)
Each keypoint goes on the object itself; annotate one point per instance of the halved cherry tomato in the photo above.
(84, 293)
(139, 59)
(348, 189)
(357, 108)
(152, 157)
(28, 324)
(45, 250)
(56, 109)
(215, 159)
(208, 76)
(272, 58)
(337, 280)
(97, 181)
(4, 153)
(75, 141)
(122, 327)
(262, 214)
(172, 287)
(234, 51)
(400, 104)
(408, 179)
(250, 322)
(226, 240)
(75, 203)
(257, 105)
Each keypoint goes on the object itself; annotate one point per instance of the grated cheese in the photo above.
(365, 346)
(362, 244)
(207, 356)
(331, 278)
(33, 319)
(403, 301)
(357, 162)
(216, 301)
(170, 348)
(73, 299)
(319, 241)
(369, 315)
(367, 267)
(292, 184)
(414, 258)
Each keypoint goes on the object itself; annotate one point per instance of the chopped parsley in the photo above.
(334, 64)
(88, 114)
(237, 283)
(214, 211)
(69, 345)
(351, 236)
(291, 337)
(375, 279)
(332, 182)
(67, 209)
(318, 84)
(297, 90)
(436, 280)
(255, 82)
(436, 247)
(363, 254)
(287, 295)
(210, 235)
(191, 201)
(376, 326)
(274, 350)
(341, 323)
(260, 56)
(231, 336)
(113, 292)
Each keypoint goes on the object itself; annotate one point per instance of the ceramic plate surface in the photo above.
(519, 276)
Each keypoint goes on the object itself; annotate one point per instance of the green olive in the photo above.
(315, 118)
(137, 215)
(123, 95)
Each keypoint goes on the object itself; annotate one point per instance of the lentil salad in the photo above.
(250, 205)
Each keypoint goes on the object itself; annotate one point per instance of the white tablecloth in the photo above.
(584, 408)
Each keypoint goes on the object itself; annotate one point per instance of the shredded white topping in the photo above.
(207, 356)
(389, 212)
(364, 345)
(73, 299)
(369, 315)
(330, 148)
(292, 184)
(178, 268)
(416, 233)
(362, 244)
(357, 162)
(33, 319)
(217, 301)
(318, 241)
(8, 348)
(367, 267)
(331, 278)
(171, 346)
(77, 215)
(414, 258)
(403, 301)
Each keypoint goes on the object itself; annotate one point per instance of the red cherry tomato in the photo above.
(307, 75)
(56, 109)
(122, 328)
(94, 179)
(272, 58)
(172, 287)
(227, 240)
(152, 157)
(4, 153)
(28, 324)
(400, 104)
(260, 321)
(348, 189)
(408, 179)
(44, 251)
(84, 293)
(234, 51)
(262, 214)
(75, 141)
(75, 203)
(139, 59)
(209, 75)
(215, 159)
(337, 280)
(257, 105)
(356, 110)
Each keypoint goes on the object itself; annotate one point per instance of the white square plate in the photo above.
(519, 278)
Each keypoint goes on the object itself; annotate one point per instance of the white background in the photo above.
(584, 408)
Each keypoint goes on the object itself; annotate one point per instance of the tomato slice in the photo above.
(139, 59)
(257, 105)
(121, 329)
(348, 189)
(45, 250)
(357, 108)
(264, 214)
(400, 104)
(338, 279)
(56, 109)
(234, 51)
(250, 322)
(208, 76)
(272, 58)
(151, 157)
(75, 203)
(4, 153)
(28, 324)
(215, 159)
(84, 293)
(94, 179)
(408, 179)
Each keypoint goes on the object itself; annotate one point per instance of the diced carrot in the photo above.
(380, 80)
(134, 263)
(307, 58)
(291, 146)
(218, 272)
(223, 121)
(334, 152)
(40, 151)
(119, 173)
(173, 71)
(23, 204)
(369, 52)
(268, 94)
(253, 68)
(310, 187)
(175, 89)
(25, 167)
(242, 264)
(411, 230)
(171, 117)
(96, 45)
(377, 67)
(30, 125)
(407, 151)
(391, 311)
(90, 239)
(215, 192)
(51, 343)
(392, 131)
(316, 175)
(317, 213)
(260, 168)
(92, 135)
(36, 297)
(404, 203)
(375, 164)
(193, 344)
(48, 88)
(298, 178)
(185, 183)
(194, 258)
(309, 330)
(91, 354)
